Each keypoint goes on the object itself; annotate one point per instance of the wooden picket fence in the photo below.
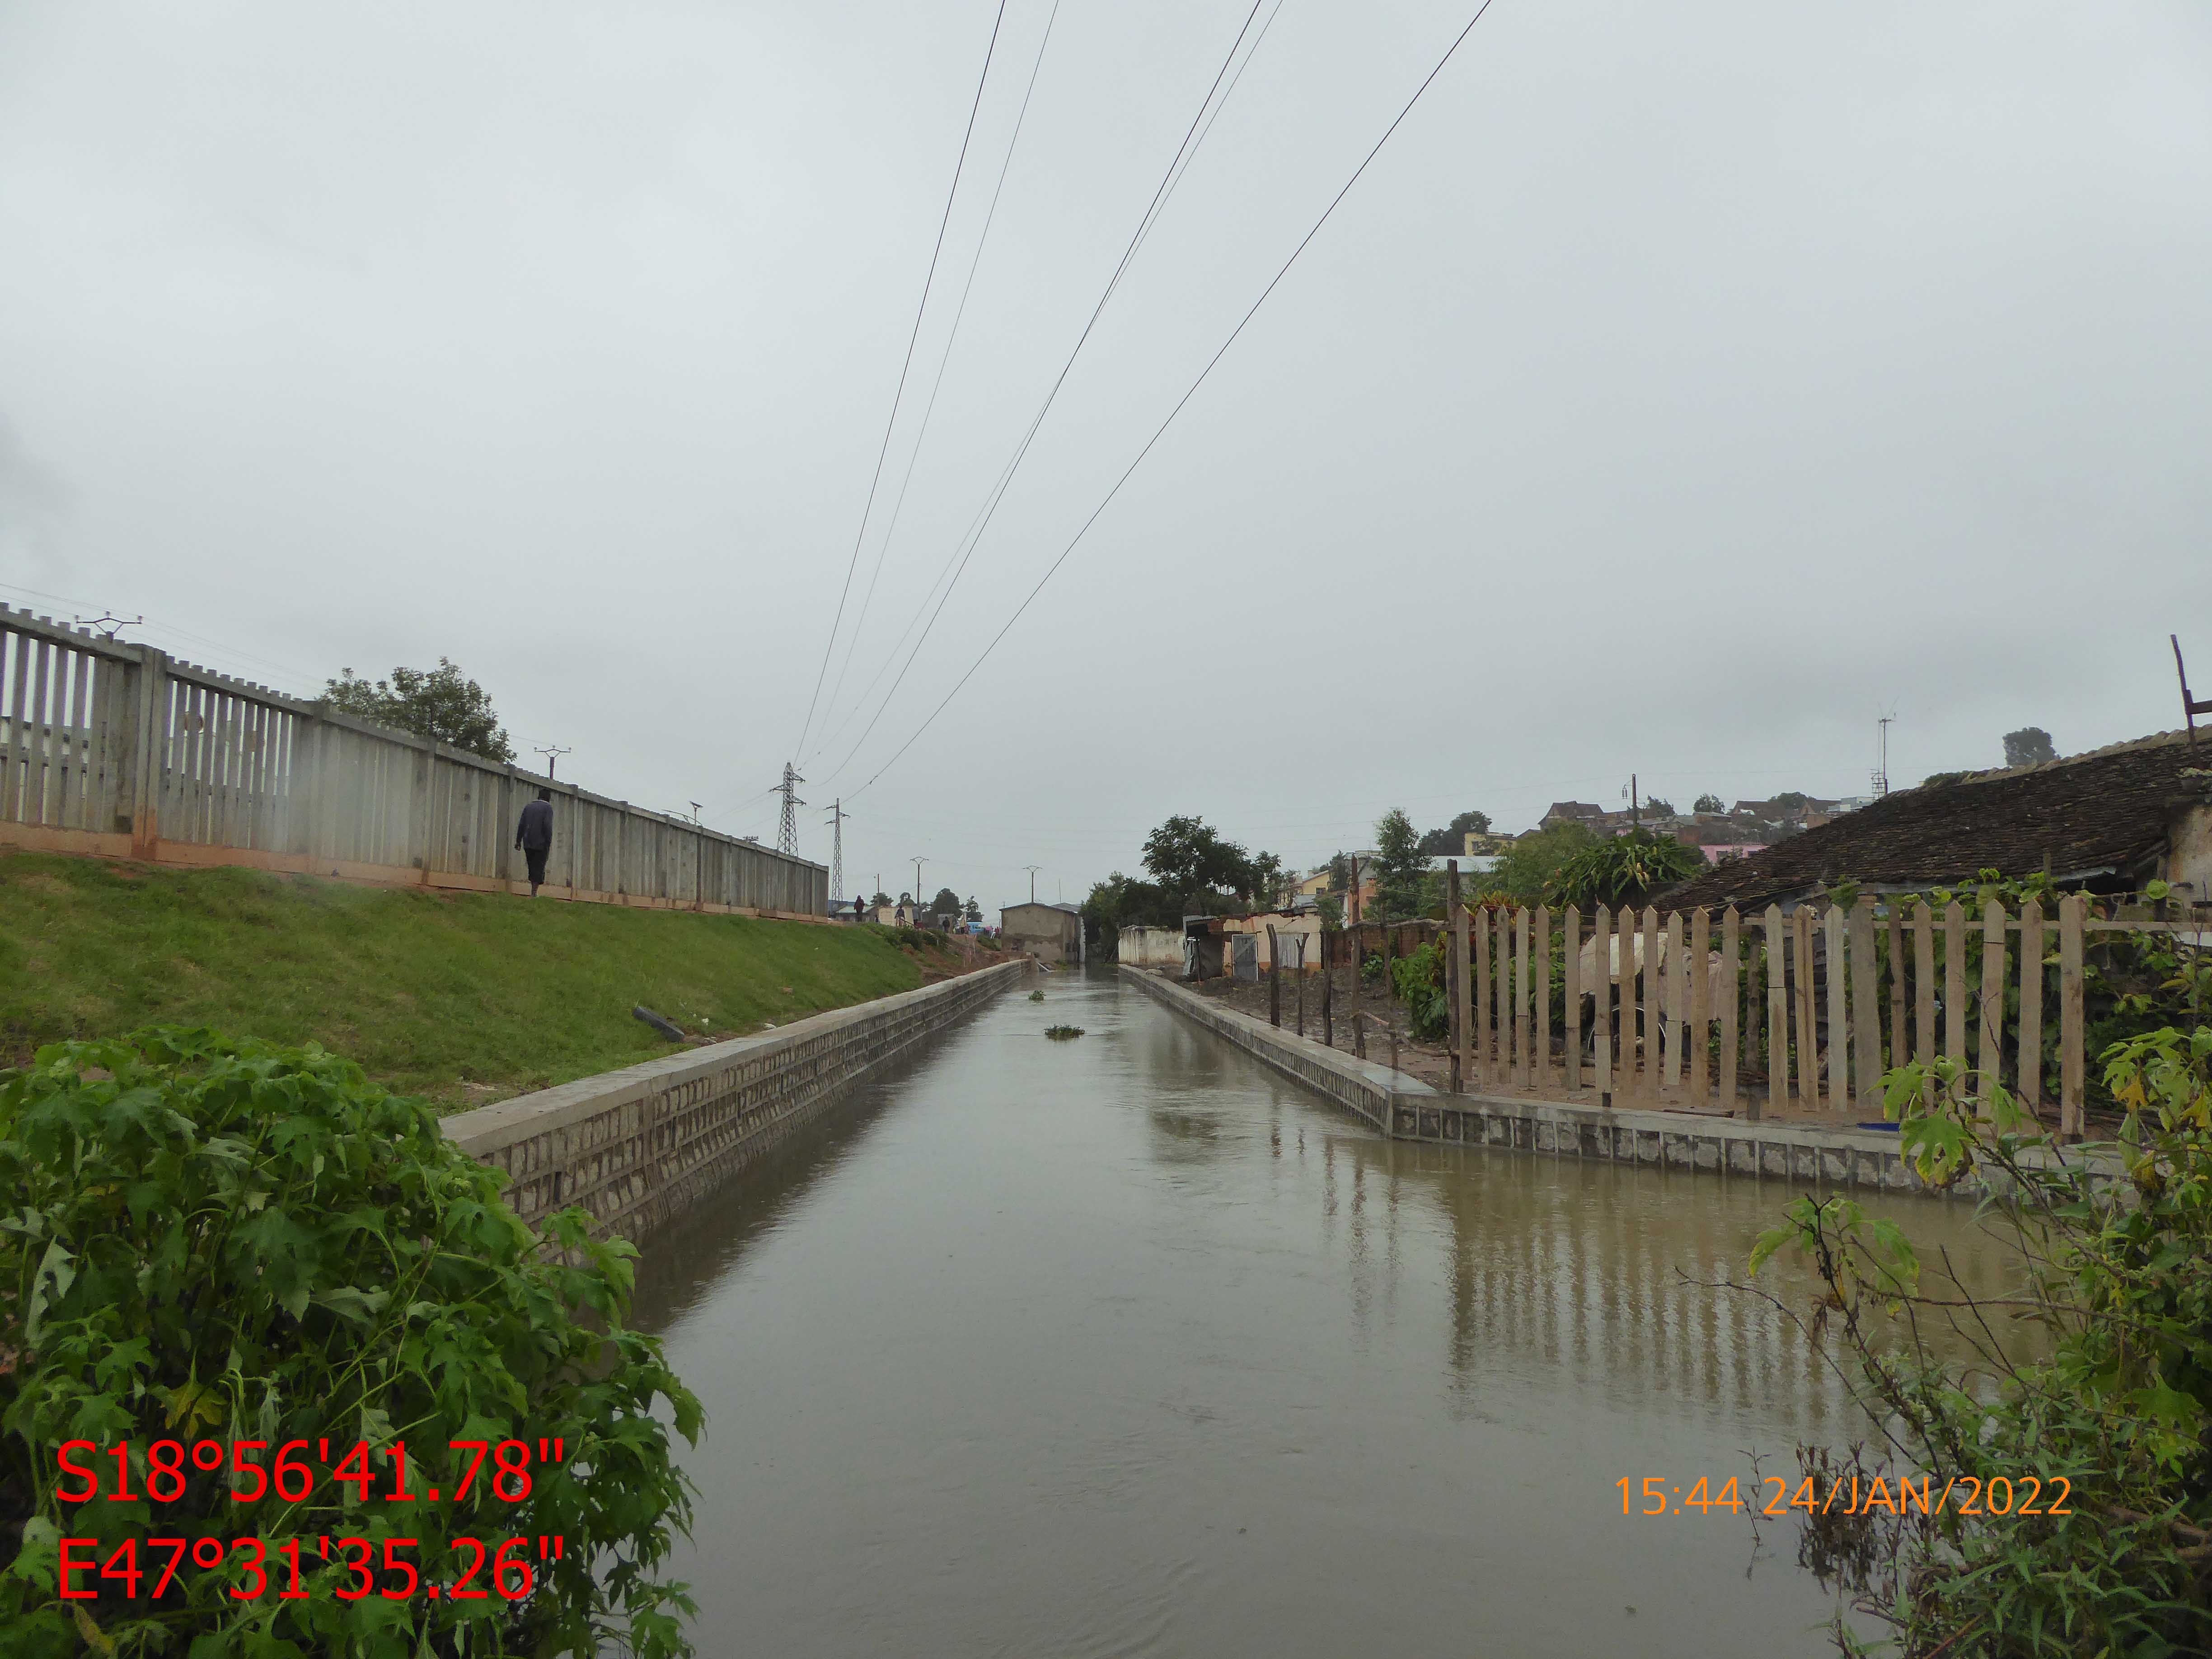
(116, 749)
(1771, 1012)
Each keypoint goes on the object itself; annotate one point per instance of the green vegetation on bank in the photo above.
(464, 998)
(265, 1275)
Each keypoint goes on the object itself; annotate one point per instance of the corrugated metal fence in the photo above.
(116, 749)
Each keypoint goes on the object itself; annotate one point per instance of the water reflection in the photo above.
(1125, 1346)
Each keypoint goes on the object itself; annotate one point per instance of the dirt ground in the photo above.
(1431, 1062)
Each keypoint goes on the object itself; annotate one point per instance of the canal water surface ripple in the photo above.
(1125, 1346)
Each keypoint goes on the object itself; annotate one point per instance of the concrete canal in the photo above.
(1127, 1346)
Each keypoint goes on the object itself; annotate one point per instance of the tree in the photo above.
(973, 912)
(1400, 866)
(1121, 902)
(1707, 802)
(1789, 800)
(946, 903)
(1659, 806)
(1529, 861)
(2029, 746)
(1190, 860)
(1450, 842)
(439, 703)
(881, 898)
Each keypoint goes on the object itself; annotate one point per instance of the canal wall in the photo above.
(1405, 1108)
(640, 1145)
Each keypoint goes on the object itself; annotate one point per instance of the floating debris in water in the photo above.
(1062, 1033)
(1037, 996)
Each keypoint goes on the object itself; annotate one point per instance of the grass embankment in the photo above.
(466, 997)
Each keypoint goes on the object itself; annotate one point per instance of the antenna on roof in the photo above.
(2190, 709)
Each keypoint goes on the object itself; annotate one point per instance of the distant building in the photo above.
(1050, 932)
(1583, 812)
(1479, 844)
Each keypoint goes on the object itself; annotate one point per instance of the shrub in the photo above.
(1622, 870)
(2096, 1372)
(1419, 982)
(209, 1240)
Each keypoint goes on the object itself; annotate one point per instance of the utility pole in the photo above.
(552, 751)
(786, 837)
(836, 847)
(1032, 869)
(918, 863)
(1634, 816)
(1882, 772)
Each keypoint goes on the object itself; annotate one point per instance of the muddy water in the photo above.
(1125, 1346)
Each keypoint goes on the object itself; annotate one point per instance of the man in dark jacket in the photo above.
(534, 836)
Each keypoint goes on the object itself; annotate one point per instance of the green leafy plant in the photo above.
(1418, 981)
(2093, 1379)
(1063, 1033)
(211, 1240)
(1037, 996)
(1622, 870)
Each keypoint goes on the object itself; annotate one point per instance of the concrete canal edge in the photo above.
(639, 1147)
(1405, 1108)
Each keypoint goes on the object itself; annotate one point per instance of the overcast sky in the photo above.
(1681, 388)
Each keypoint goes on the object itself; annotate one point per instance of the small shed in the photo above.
(1050, 932)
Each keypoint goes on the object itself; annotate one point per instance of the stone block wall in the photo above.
(1405, 1108)
(640, 1145)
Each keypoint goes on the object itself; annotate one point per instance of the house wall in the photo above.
(2188, 855)
(1151, 947)
(1042, 931)
(1287, 929)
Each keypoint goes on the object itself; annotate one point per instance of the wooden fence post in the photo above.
(1570, 1002)
(1677, 1017)
(1778, 1014)
(1275, 982)
(1839, 1022)
(1731, 966)
(1328, 983)
(1542, 923)
(1302, 983)
(1700, 965)
(1602, 1004)
(1954, 982)
(1651, 997)
(1524, 1073)
(1479, 1002)
(1455, 943)
(2031, 1006)
(2072, 1061)
(1866, 1008)
(1501, 999)
(1808, 1019)
(1992, 1002)
(1897, 1049)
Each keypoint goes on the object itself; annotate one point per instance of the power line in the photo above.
(830, 644)
(960, 312)
(1006, 476)
(1187, 396)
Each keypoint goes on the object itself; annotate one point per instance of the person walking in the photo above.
(533, 834)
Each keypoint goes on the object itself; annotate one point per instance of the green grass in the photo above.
(466, 998)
